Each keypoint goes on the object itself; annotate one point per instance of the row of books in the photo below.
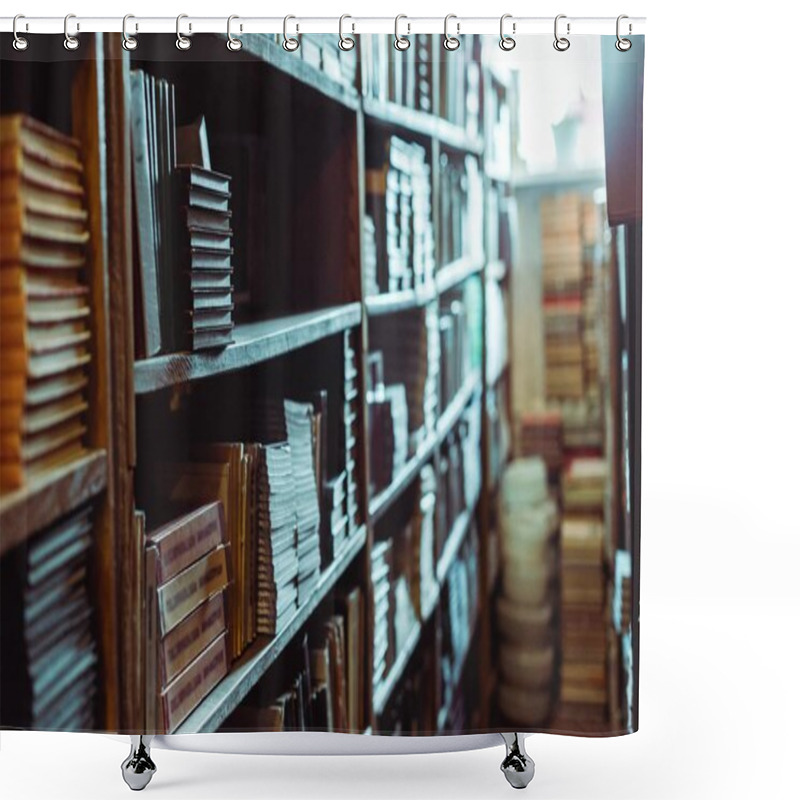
(461, 611)
(186, 634)
(389, 75)
(460, 87)
(459, 476)
(398, 185)
(45, 335)
(527, 607)
(48, 650)
(183, 236)
(327, 691)
(461, 196)
(322, 51)
(584, 621)
(455, 343)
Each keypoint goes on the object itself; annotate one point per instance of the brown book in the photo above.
(181, 595)
(355, 644)
(183, 541)
(40, 168)
(189, 638)
(208, 220)
(17, 248)
(24, 132)
(184, 694)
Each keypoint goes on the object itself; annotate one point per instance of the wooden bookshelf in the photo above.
(129, 388)
(451, 275)
(46, 498)
(246, 672)
(383, 500)
(254, 343)
(392, 302)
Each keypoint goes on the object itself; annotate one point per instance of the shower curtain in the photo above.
(320, 364)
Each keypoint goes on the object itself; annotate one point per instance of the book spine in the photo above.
(188, 589)
(182, 696)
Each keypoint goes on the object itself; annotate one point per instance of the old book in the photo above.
(178, 597)
(355, 645)
(190, 637)
(184, 694)
(197, 177)
(184, 540)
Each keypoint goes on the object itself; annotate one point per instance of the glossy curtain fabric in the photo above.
(320, 385)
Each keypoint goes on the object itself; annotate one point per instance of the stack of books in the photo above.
(454, 345)
(300, 431)
(460, 208)
(460, 87)
(47, 643)
(563, 331)
(187, 573)
(336, 508)
(541, 433)
(583, 424)
(278, 564)
(45, 339)
(583, 484)
(528, 604)
(208, 300)
(382, 655)
(398, 182)
(322, 51)
(584, 622)
(352, 411)
(390, 75)
(424, 584)
(562, 244)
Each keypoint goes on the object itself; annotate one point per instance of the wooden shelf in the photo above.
(262, 654)
(48, 497)
(422, 124)
(392, 302)
(454, 541)
(385, 498)
(254, 342)
(264, 48)
(451, 275)
(383, 691)
(497, 271)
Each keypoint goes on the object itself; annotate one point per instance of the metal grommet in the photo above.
(70, 42)
(20, 42)
(507, 43)
(451, 42)
(561, 43)
(401, 42)
(345, 42)
(623, 45)
(290, 43)
(182, 42)
(233, 44)
(129, 42)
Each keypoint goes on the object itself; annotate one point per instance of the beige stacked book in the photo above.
(584, 693)
(44, 305)
(583, 485)
(527, 605)
(562, 244)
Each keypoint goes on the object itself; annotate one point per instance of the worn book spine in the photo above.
(189, 638)
(188, 589)
(184, 694)
(183, 541)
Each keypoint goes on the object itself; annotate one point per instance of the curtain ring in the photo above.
(129, 42)
(401, 42)
(623, 45)
(20, 42)
(182, 42)
(507, 43)
(233, 43)
(451, 42)
(561, 43)
(70, 42)
(345, 42)
(290, 43)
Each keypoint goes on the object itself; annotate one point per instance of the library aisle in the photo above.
(320, 397)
